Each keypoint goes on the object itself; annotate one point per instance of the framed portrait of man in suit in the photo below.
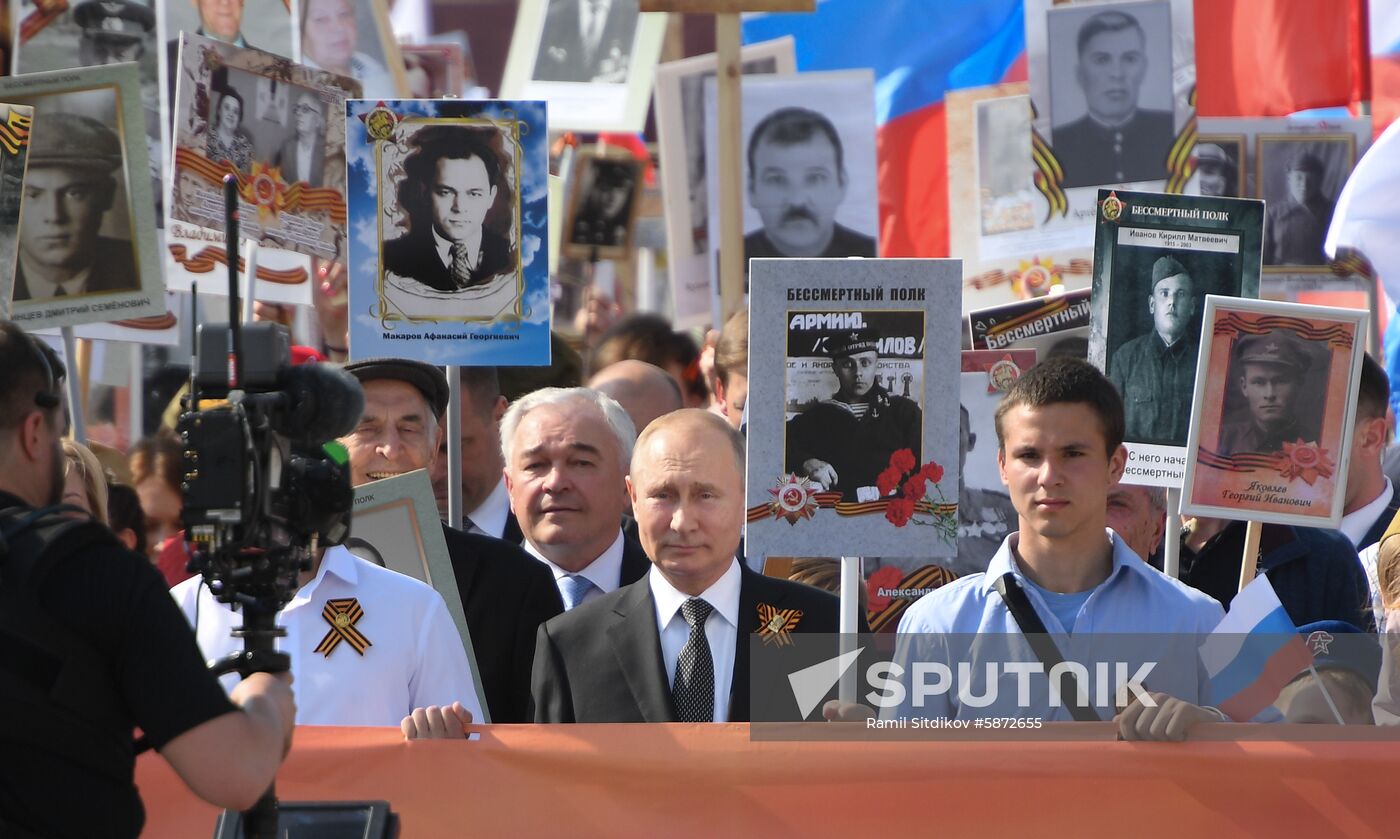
(290, 173)
(447, 201)
(87, 247)
(593, 60)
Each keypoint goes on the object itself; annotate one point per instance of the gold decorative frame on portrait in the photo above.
(1263, 141)
(262, 188)
(384, 311)
(577, 198)
(1240, 144)
(1304, 484)
(148, 299)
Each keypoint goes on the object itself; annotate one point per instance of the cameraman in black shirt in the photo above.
(92, 647)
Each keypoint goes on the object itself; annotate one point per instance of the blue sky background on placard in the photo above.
(366, 333)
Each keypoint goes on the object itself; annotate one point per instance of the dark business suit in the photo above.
(113, 269)
(602, 661)
(506, 595)
(1093, 155)
(286, 160)
(1382, 522)
(563, 56)
(415, 257)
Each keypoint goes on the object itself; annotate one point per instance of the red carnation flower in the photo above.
(903, 460)
(899, 510)
(932, 471)
(888, 480)
(915, 487)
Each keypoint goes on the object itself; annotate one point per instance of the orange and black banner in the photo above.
(1049, 176)
(14, 132)
(1181, 160)
(832, 501)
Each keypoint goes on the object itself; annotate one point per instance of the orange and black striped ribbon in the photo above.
(928, 577)
(14, 132)
(775, 624)
(298, 197)
(1338, 335)
(831, 501)
(1181, 160)
(997, 276)
(46, 12)
(212, 257)
(342, 615)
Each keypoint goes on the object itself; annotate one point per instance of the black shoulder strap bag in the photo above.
(1036, 635)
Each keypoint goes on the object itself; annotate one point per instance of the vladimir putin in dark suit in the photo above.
(606, 661)
(586, 41)
(1116, 141)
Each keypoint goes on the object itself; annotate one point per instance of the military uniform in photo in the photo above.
(1092, 153)
(856, 437)
(1297, 229)
(844, 242)
(1282, 351)
(1156, 379)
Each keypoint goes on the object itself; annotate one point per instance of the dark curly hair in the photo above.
(443, 142)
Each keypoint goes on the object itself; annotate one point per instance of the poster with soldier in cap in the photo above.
(95, 33)
(607, 194)
(851, 452)
(1156, 257)
(87, 237)
(1274, 410)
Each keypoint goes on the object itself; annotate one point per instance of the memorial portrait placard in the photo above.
(1156, 258)
(603, 207)
(1113, 89)
(594, 62)
(810, 178)
(16, 121)
(353, 38)
(87, 246)
(434, 70)
(449, 251)
(1274, 412)
(395, 524)
(851, 450)
(289, 161)
(680, 133)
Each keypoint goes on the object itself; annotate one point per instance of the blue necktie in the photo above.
(574, 588)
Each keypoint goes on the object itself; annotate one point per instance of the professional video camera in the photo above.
(265, 484)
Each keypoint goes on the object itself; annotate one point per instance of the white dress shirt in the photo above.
(721, 628)
(444, 251)
(42, 289)
(490, 517)
(605, 572)
(415, 657)
(1355, 524)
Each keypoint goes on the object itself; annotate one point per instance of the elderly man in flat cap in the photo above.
(506, 594)
(845, 442)
(1271, 369)
(1298, 225)
(67, 189)
(1156, 372)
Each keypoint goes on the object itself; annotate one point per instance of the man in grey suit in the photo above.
(302, 156)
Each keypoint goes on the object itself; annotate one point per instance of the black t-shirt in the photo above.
(118, 601)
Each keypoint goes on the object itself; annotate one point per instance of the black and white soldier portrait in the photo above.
(1300, 179)
(587, 41)
(1219, 164)
(1156, 371)
(605, 203)
(1111, 92)
(850, 405)
(1267, 400)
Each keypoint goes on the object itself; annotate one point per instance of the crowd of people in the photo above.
(600, 564)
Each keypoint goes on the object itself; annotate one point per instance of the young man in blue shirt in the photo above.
(1060, 430)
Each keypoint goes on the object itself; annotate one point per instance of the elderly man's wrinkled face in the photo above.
(1133, 517)
(796, 189)
(308, 115)
(1173, 305)
(397, 432)
(1111, 69)
(63, 210)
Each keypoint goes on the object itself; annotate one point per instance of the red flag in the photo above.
(1273, 57)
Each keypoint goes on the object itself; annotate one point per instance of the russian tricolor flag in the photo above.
(919, 50)
(1253, 653)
